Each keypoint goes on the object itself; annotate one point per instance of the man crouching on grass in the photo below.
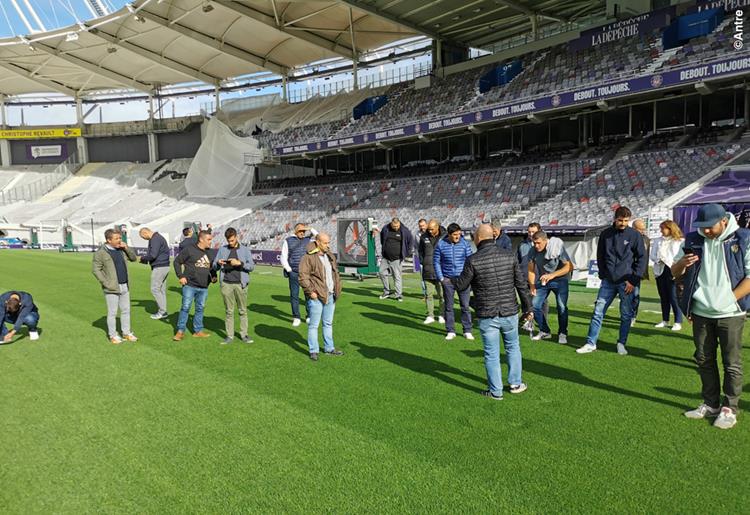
(319, 278)
(18, 308)
(713, 268)
(495, 278)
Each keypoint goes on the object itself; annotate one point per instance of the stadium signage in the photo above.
(566, 99)
(40, 133)
(622, 29)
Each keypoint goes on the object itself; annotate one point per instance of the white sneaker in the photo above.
(450, 336)
(661, 324)
(33, 335)
(429, 320)
(702, 411)
(468, 336)
(726, 419)
(621, 350)
(541, 336)
(384, 296)
(632, 323)
(296, 322)
(307, 320)
(677, 327)
(562, 339)
(589, 347)
(441, 320)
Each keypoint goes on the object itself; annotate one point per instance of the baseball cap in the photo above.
(709, 215)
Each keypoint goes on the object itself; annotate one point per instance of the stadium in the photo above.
(212, 122)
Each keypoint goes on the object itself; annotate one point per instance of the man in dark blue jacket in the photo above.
(18, 308)
(502, 240)
(713, 268)
(448, 259)
(396, 245)
(157, 256)
(622, 260)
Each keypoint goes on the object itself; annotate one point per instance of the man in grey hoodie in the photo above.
(713, 273)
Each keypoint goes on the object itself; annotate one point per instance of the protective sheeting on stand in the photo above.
(224, 165)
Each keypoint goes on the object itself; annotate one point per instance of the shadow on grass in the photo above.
(284, 335)
(574, 376)
(271, 310)
(148, 305)
(384, 318)
(743, 405)
(421, 365)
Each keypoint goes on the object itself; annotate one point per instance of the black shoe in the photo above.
(314, 356)
(335, 352)
(487, 393)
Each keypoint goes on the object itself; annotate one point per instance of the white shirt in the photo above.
(285, 252)
(663, 252)
(329, 272)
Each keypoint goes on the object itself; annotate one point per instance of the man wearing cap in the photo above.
(292, 251)
(396, 245)
(713, 270)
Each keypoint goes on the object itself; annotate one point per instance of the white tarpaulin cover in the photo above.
(223, 166)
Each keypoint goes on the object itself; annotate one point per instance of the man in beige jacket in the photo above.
(319, 278)
(111, 270)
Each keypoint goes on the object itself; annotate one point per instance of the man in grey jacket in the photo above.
(235, 262)
(111, 270)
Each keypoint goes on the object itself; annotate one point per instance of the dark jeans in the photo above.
(450, 317)
(31, 321)
(668, 296)
(708, 335)
(294, 292)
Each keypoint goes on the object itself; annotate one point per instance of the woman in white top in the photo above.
(663, 251)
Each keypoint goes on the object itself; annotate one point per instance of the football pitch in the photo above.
(395, 425)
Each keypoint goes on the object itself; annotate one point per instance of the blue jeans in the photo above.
(491, 329)
(463, 299)
(294, 292)
(189, 294)
(607, 293)
(560, 289)
(31, 321)
(317, 311)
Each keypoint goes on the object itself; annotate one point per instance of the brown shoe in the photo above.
(201, 334)
(179, 335)
(130, 338)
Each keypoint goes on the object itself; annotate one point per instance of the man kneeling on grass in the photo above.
(194, 268)
(495, 277)
(319, 278)
(18, 308)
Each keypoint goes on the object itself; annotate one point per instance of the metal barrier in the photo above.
(39, 188)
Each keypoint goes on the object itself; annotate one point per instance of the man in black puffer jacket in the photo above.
(495, 277)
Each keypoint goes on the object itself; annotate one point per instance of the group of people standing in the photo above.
(704, 276)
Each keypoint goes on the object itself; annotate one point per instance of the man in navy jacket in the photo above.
(158, 257)
(448, 259)
(18, 308)
(622, 260)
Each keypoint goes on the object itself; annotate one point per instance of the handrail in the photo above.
(39, 188)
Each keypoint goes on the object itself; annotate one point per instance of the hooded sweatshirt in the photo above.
(713, 298)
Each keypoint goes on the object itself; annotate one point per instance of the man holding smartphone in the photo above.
(713, 269)
(235, 262)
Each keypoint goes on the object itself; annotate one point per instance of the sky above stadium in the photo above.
(52, 14)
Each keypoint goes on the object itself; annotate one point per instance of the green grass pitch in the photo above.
(396, 425)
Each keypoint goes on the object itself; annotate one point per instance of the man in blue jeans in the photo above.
(495, 278)
(549, 270)
(18, 308)
(292, 251)
(193, 267)
(622, 260)
(319, 278)
(448, 259)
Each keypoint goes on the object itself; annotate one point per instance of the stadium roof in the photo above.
(153, 43)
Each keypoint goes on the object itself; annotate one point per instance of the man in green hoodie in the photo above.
(713, 269)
